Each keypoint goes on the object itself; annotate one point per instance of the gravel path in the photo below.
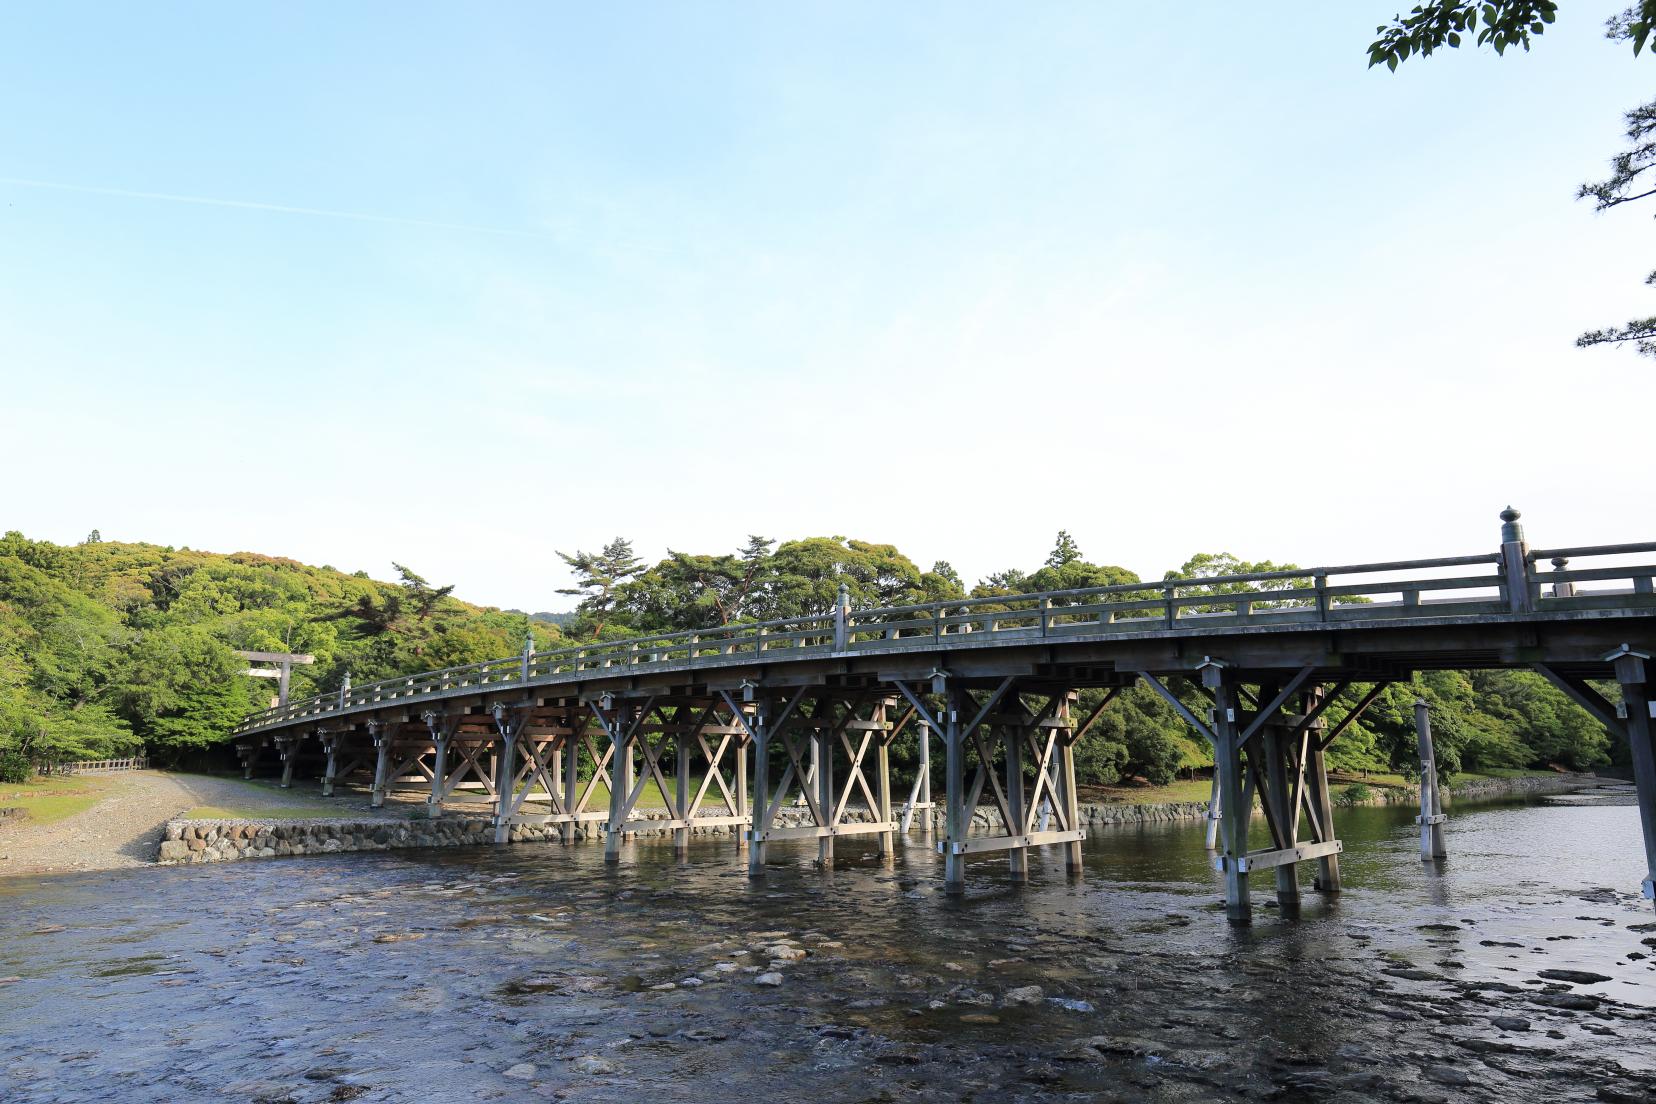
(124, 829)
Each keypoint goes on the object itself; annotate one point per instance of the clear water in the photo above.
(264, 981)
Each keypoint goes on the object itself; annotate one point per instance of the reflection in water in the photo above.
(535, 972)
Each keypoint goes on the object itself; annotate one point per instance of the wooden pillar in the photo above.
(1322, 801)
(822, 755)
(959, 819)
(681, 794)
(505, 774)
(1072, 794)
(1213, 813)
(620, 783)
(1233, 806)
(742, 807)
(926, 809)
(1017, 858)
(382, 765)
(440, 731)
(882, 793)
(1636, 694)
(1279, 793)
(330, 744)
(571, 752)
(761, 789)
(289, 748)
(1431, 804)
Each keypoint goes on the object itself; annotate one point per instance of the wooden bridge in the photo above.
(998, 680)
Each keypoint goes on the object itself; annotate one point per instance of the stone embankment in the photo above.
(197, 841)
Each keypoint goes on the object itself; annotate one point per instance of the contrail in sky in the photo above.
(207, 201)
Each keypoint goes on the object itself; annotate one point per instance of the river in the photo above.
(533, 973)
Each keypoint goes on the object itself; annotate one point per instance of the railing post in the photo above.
(1169, 593)
(1562, 588)
(1321, 583)
(528, 655)
(842, 618)
(1515, 563)
(345, 690)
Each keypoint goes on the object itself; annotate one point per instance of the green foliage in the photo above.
(15, 767)
(1503, 23)
(1354, 794)
(106, 647)
(1430, 26)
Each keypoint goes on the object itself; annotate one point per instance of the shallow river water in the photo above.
(532, 972)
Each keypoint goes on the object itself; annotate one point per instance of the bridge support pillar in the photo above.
(681, 796)
(504, 761)
(1431, 818)
(1017, 856)
(743, 810)
(290, 752)
(439, 767)
(382, 764)
(571, 752)
(1235, 809)
(621, 784)
(1320, 802)
(330, 743)
(822, 761)
(1212, 840)
(882, 796)
(1631, 673)
(760, 728)
(958, 820)
(1284, 819)
(1071, 798)
(919, 808)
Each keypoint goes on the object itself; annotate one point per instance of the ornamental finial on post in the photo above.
(1511, 531)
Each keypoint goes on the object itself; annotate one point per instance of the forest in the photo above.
(110, 647)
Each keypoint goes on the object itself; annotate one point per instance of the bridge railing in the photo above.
(1563, 584)
(1447, 586)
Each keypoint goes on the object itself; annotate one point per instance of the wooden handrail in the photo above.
(960, 622)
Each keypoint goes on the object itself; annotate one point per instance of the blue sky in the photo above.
(947, 275)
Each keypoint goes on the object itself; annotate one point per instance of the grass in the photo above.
(260, 812)
(44, 800)
(1199, 790)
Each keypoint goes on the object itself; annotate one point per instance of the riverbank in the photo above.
(204, 840)
(72, 824)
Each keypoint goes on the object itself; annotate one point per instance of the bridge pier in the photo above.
(1043, 737)
(1631, 673)
(1319, 801)
(1234, 811)
(1284, 820)
(1431, 818)
(380, 734)
(759, 731)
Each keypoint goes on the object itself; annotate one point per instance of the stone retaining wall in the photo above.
(195, 841)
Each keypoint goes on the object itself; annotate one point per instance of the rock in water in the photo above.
(1577, 977)
(773, 978)
(1028, 994)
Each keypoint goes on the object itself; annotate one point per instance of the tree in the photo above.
(1503, 23)
(422, 597)
(598, 575)
(1064, 551)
